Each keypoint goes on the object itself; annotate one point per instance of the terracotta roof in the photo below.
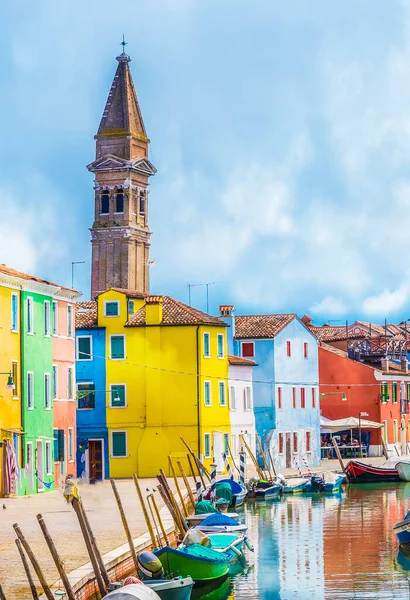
(175, 313)
(86, 315)
(394, 368)
(240, 362)
(13, 273)
(128, 293)
(328, 333)
(260, 326)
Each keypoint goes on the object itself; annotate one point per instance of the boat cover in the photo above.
(130, 592)
(218, 519)
(204, 507)
(405, 521)
(235, 487)
(224, 490)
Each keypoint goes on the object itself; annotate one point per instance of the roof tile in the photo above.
(14, 273)
(175, 313)
(86, 315)
(261, 326)
(239, 361)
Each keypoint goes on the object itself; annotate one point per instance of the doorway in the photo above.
(288, 451)
(218, 452)
(95, 460)
(39, 466)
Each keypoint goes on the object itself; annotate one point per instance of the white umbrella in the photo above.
(351, 423)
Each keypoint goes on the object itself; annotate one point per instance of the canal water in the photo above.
(324, 548)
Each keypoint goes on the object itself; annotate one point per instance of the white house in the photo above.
(241, 405)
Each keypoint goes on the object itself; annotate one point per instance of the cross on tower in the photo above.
(123, 44)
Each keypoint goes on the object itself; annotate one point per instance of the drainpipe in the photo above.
(198, 391)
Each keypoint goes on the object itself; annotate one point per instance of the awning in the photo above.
(347, 423)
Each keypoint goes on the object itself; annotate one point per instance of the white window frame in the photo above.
(70, 379)
(247, 342)
(30, 314)
(54, 318)
(125, 347)
(47, 321)
(30, 390)
(15, 329)
(117, 302)
(208, 335)
(54, 397)
(70, 328)
(70, 444)
(232, 397)
(247, 398)
(81, 337)
(125, 395)
(220, 336)
(48, 458)
(112, 443)
(221, 385)
(47, 381)
(208, 383)
(209, 446)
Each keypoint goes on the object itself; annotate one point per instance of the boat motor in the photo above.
(317, 483)
(150, 566)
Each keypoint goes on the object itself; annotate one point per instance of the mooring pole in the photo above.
(34, 562)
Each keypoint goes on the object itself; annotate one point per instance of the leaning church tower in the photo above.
(120, 235)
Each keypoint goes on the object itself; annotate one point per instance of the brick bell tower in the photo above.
(120, 236)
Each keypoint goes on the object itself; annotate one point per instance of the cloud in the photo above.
(387, 302)
(329, 306)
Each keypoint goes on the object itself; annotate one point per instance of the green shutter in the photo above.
(207, 392)
(111, 309)
(226, 443)
(117, 346)
(55, 444)
(220, 345)
(60, 456)
(84, 348)
(394, 392)
(118, 443)
(207, 448)
(206, 344)
(120, 390)
(222, 401)
(385, 391)
(408, 392)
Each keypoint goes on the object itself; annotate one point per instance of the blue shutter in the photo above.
(117, 346)
(119, 445)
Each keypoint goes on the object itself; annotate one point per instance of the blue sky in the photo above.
(281, 135)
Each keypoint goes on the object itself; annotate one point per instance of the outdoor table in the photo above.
(346, 451)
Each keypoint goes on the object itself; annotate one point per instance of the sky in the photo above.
(280, 131)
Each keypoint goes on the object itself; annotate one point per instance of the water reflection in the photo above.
(324, 548)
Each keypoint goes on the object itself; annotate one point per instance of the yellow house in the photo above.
(166, 378)
(10, 362)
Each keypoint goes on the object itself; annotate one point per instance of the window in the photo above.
(130, 307)
(46, 317)
(395, 431)
(248, 349)
(313, 398)
(384, 432)
(279, 397)
(207, 445)
(105, 203)
(47, 399)
(226, 443)
(70, 444)
(222, 397)
(294, 397)
(207, 393)
(233, 444)
(221, 353)
(308, 441)
(30, 316)
(84, 347)
(280, 443)
(288, 348)
(111, 308)
(207, 348)
(119, 204)
(385, 392)
(142, 203)
(15, 375)
(54, 318)
(54, 382)
(117, 346)
(305, 350)
(14, 312)
(70, 320)
(59, 445)
(394, 392)
(86, 396)
(30, 390)
(117, 395)
(248, 398)
(232, 398)
(119, 444)
(70, 383)
(295, 442)
(302, 398)
(49, 470)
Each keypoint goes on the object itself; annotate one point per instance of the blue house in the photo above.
(285, 383)
(92, 433)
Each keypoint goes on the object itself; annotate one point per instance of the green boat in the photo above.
(196, 561)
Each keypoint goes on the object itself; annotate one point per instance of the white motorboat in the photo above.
(403, 468)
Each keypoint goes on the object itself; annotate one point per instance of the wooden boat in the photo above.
(358, 472)
(270, 491)
(295, 485)
(330, 483)
(404, 470)
(238, 491)
(197, 561)
(402, 531)
(172, 589)
(221, 523)
(194, 520)
(134, 591)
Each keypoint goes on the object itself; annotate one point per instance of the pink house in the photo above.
(63, 387)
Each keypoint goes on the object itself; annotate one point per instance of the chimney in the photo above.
(404, 364)
(385, 365)
(226, 311)
(153, 310)
(306, 320)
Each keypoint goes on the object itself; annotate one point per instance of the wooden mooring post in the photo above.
(174, 475)
(144, 510)
(2, 596)
(339, 456)
(27, 571)
(34, 562)
(188, 487)
(125, 523)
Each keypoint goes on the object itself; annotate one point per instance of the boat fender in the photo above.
(249, 545)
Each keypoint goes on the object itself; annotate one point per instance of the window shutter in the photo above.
(61, 453)
(117, 347)
(84, 348)
(120, 389)
(232, 398)
(118, 443)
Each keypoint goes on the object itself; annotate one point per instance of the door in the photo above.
(40, 466)
(218, 452)
(95, 458)
(288, 451)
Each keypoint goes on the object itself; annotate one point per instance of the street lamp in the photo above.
(324, 394)
(10, 380)
(361, 414)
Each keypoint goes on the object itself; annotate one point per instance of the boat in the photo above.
(197, 561)
(329, 483)
(238, 491)
(133, 591)
(220, 523)
(359, 472)
(194, 520)
(172, 589)
(229, 544)
(295, 485)
(402, 531)
(403, 468)
(268, 492)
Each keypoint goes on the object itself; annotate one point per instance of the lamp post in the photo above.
(10, 381)
(361, 414)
